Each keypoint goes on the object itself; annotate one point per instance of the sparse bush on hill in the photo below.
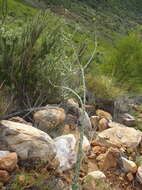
(103, 87)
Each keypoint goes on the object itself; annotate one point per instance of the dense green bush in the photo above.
(124, 62)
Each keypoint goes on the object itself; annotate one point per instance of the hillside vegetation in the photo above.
(69, 71)
(70, 31)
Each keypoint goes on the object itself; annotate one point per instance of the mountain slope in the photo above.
(107, 17)
(18, 9)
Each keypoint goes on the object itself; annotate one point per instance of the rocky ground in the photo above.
(41, 155)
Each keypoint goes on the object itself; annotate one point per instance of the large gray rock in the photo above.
(66, 153)
(50, 120)
(67, 148)
(27, 141)
(120, 136)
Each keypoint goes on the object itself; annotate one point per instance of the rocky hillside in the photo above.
(41, 155)
(70, 95)
(108, 18)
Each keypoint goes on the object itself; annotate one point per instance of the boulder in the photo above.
(27, 142)
(66, 153)
(66, 146)
(49, 119)
(103, 124)
(104, 114)
(119, 137)
(9, 162)
(128, 165)
(4, 176)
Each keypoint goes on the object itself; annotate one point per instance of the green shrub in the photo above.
(124, 62)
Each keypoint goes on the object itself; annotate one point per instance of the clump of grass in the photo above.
(99, 184)
(102, 185)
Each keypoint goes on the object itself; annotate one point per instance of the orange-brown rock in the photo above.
(104, 114)
(103, 124)
(95, 121)
(95, 143)
(4, 176)
(99, 149)
(50, 118)
(92, 165)
(9, 162)
(109, 159)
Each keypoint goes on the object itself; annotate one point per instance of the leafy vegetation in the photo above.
(124, 62)
(40, 53)
(36, 57)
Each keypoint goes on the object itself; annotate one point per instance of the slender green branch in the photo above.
(93, 54)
